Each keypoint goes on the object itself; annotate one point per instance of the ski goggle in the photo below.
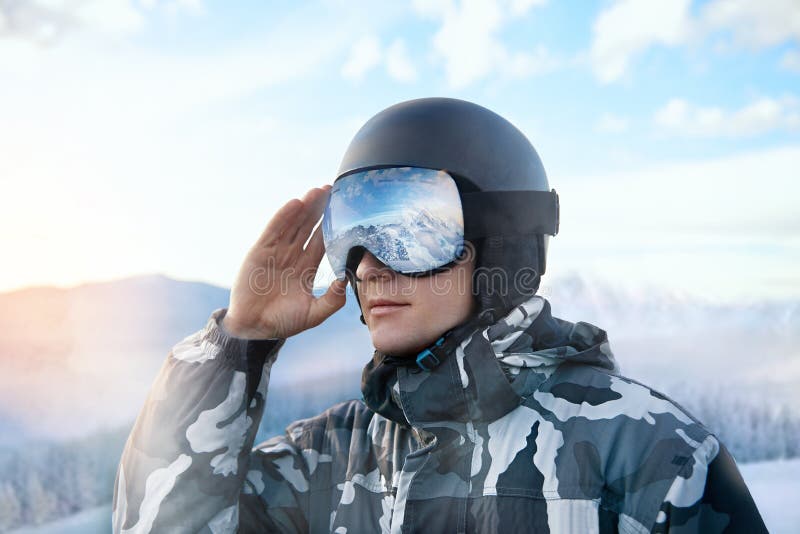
(409, 218)
(412, 218)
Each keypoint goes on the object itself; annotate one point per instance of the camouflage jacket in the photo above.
(526, 426)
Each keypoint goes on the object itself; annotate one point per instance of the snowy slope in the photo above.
(775, 486)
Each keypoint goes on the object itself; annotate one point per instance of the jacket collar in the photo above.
(487, 372)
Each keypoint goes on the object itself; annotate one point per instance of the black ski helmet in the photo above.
(510, 218)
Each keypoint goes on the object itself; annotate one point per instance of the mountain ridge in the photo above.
(107, 341)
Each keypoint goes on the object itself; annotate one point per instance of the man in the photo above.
(481, 412)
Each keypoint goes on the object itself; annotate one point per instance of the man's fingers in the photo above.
(314, 250)
(332, 300)
(282, 223)
(314, 202)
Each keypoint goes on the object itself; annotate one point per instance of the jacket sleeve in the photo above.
(708, 496)
(188, 464)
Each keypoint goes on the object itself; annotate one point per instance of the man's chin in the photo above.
(396, 352)
(399, 350)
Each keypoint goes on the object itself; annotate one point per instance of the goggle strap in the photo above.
(498, 213)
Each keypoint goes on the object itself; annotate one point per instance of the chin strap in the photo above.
(380, 374)
(351, 277)
(433, 355)
(427, 359)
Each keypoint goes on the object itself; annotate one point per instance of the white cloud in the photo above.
(747, 195)
(791, 61)
(704, 224)
(521, 7)
(35, 21)
(629, 27)
(433, 8)
(112, 17)
(129, 131)
(763, 115)
(365, 54)
(754, 23)
(466, 43)
(610, 123)
(47, 21)
(523, 65)
(398, 64)
(467, 40)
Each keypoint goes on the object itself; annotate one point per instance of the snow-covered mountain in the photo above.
(420, 238)
(73, 360)
(668, 338)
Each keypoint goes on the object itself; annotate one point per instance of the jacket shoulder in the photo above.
(637, 435)
(598, 393)
(622, 440)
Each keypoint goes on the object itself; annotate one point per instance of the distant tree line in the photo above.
(754, 426)
(44, 481)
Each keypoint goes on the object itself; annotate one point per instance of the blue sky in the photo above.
(154, 136)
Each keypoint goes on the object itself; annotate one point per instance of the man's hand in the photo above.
(271, 297)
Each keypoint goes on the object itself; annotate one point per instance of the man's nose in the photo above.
(370, 266)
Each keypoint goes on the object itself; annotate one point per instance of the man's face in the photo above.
(424, 307)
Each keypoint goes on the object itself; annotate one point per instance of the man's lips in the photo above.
(383, 307)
